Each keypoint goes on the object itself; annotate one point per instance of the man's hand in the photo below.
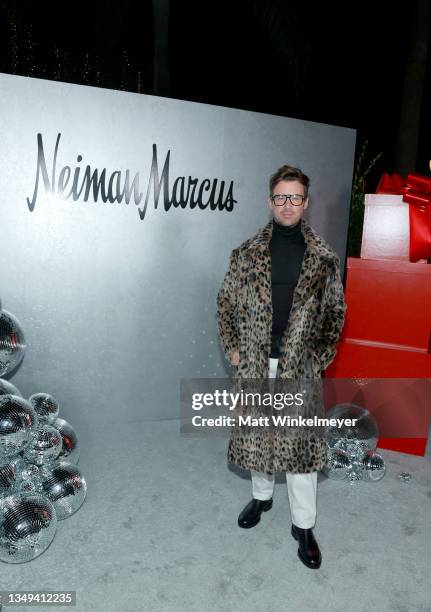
(234, 358)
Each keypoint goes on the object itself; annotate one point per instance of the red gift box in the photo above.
(387, 333)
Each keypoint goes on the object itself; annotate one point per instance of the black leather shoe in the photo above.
(250, 516)
(308, 550)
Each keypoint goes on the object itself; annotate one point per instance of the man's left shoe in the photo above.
(308, 550)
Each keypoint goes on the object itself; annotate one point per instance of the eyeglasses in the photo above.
(281, 199)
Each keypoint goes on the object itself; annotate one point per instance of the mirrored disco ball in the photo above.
(7, 388)
(12, 342)
(64, 484)
(365, 430)
(28, 478)
(8, 475)
(44, 446)
(355, 471)
(27, 526)
(374, 467)
(70, 449)
(354, 448)
(18, 420)
(45, 406)
(337, 465)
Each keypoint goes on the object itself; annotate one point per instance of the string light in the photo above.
(124, 70)
(86, 71)
(14, 48)
(97, 71)
(60, 68)
(30, 52)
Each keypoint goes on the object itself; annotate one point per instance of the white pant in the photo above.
(301, 488)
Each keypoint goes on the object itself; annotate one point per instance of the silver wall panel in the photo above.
(117, 309)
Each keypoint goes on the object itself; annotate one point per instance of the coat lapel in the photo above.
(316, 254)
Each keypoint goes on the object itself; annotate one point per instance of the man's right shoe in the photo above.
(250, 516)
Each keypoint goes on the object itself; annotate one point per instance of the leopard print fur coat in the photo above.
(244, 320)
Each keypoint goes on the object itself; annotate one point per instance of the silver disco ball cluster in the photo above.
(351, 448)
(40, 482)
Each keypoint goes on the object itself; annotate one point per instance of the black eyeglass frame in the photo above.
(288, 195)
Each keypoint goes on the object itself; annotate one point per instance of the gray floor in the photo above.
(158, 532)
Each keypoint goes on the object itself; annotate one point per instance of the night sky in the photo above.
(337, 63)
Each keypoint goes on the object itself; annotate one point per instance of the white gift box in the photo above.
(386, 230)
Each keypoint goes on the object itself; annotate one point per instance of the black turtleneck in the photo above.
(287, 247)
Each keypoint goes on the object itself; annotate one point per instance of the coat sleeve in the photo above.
(334, 310)
(227, 307)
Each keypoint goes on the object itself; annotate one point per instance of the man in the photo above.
(280, 313)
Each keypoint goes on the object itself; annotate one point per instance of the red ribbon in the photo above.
(416, 191)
